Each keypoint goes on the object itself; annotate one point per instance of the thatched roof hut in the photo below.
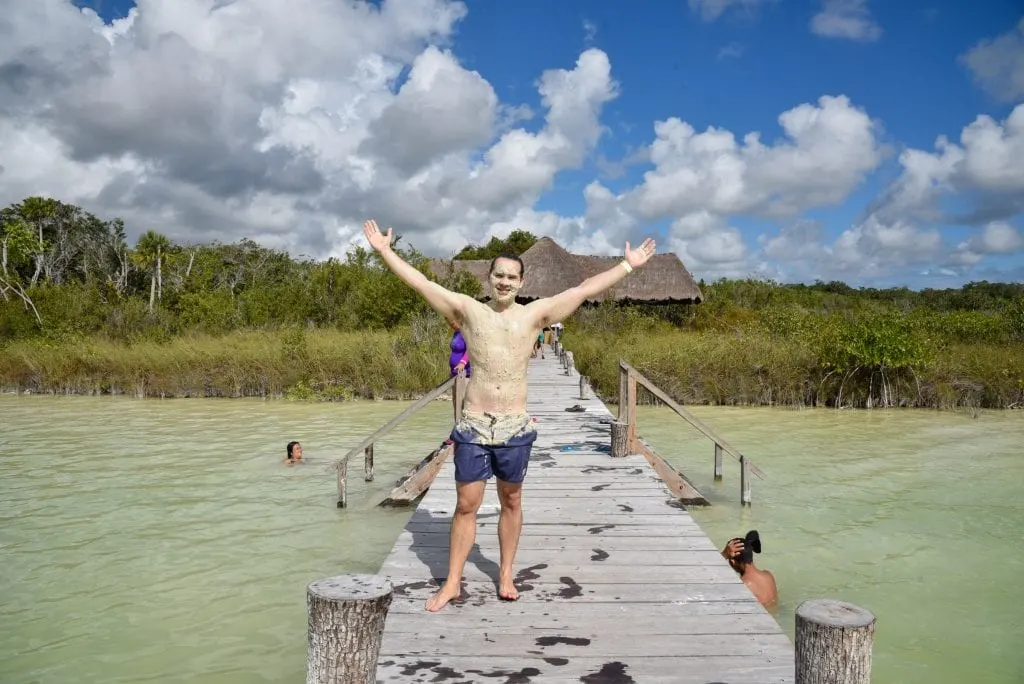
(550, 269)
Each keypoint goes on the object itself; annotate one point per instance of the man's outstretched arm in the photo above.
(562, 305)
(444, 301)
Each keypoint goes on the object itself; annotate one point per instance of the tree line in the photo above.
(79, 305)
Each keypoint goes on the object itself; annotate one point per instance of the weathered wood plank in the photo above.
(479, 568)
(576, 612)
(418, 589)
(666, 669)
(634, 624)
(608, 643)
(600, 555)
(582, 531)
(487, 538)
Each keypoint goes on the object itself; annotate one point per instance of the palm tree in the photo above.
(149, 254)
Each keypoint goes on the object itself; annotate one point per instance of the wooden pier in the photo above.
(617, 582)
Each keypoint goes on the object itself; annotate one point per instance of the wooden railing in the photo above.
(625, 441)
(456, 384)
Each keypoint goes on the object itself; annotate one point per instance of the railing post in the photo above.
(583, 388)
(569, 364)
(459, 394)
(744, 481)
(622, 393)
(368, 463)
(345, 624)
(631, 410)
(833, 642)
(718, 461)
(342, 485)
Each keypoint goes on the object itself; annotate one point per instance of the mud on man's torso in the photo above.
(500, 345)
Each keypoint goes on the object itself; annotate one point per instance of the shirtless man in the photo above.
(760, 582)
(495, 433)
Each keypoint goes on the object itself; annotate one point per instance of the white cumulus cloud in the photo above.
(849, 19)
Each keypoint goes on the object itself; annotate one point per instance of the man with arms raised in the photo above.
(495, 433)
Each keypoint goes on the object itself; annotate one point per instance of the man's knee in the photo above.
(471, 495)
(510, 495)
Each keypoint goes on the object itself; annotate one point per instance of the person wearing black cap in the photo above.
(740, 554)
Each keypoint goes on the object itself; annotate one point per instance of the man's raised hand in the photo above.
(639, 256)
(379, 241)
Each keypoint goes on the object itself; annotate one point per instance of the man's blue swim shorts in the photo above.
(498, 446)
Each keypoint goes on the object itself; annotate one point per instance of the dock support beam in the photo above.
(342, 483)
(744, 481)
(718, 462)
(833, 642)
(368, 463)
(346, 616)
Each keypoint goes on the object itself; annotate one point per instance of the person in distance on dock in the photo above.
(495, 434)
(740, 554)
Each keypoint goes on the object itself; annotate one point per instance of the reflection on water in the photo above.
(164, 541)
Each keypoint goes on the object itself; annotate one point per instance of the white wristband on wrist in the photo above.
(625, 264)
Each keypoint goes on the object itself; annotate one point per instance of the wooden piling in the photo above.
(744, 481)
(342, 483)
(620, 439)
(833, 642)
(368, 463)
(718, 461)
(584, 394)
(346, 616)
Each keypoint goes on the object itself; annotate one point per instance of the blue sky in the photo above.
(733, 65)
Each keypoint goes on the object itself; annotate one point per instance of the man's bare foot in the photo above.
(445, 594)
(506, 589)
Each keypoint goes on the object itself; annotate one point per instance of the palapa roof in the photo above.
(550, 269)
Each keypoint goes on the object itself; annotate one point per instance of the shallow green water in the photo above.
(163, 541)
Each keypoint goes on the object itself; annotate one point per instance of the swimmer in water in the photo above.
(495, 434)
(294, 453)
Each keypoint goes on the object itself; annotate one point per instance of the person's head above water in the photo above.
(505, 277)
(294, 451)
(751, 544)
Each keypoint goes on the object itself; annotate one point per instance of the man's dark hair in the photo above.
(291, 445)
(511, 257)
(751, 545)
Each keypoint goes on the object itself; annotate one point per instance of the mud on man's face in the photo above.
(506, 280)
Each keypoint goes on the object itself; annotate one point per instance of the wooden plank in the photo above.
(479, 568)
(685, 541)
(634, 624)
(627, 536)
(608, 643)
(666, 669)
(673, 479)
(598, 555)
(419, 481)
(584, 612)
(550, 596)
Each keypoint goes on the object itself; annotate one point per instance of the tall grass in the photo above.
(755, 368)
(293, 363)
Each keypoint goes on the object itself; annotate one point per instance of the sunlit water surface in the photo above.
(164, 541)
